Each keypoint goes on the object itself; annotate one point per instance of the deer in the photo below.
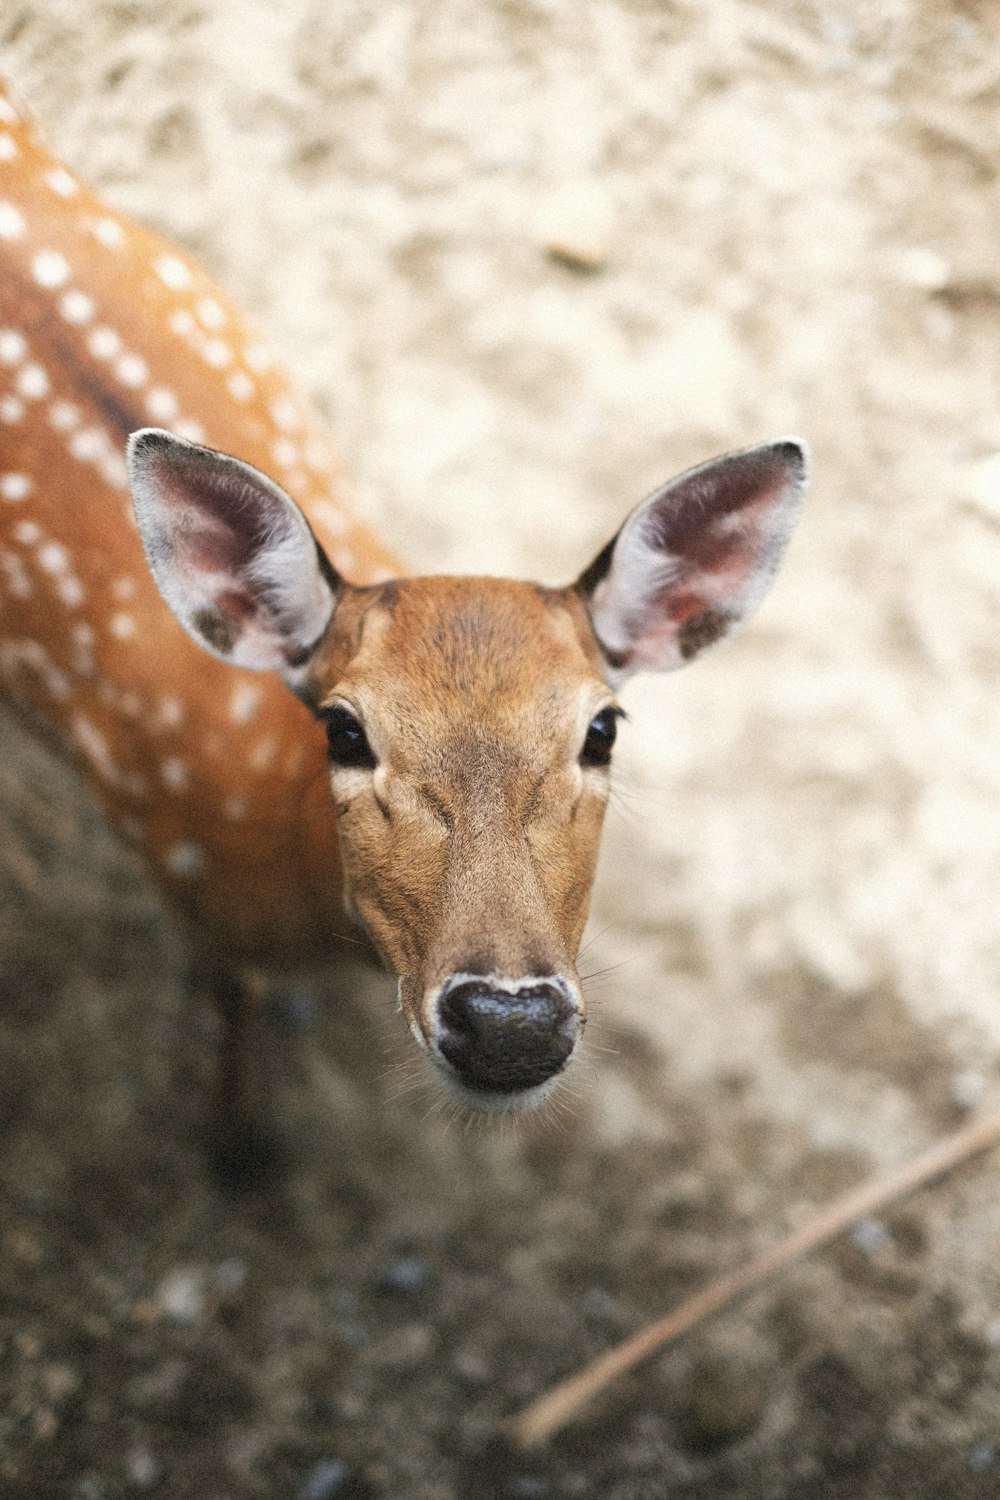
(300, 739)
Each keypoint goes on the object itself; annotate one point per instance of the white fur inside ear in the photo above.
(231, 553)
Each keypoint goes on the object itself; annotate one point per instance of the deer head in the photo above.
(470, 721)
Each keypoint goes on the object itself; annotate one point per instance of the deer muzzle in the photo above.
(501, 1042)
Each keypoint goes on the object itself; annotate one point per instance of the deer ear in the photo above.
(694, 560)
(231, 553)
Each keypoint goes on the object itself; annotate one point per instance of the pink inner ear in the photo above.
(695, 559)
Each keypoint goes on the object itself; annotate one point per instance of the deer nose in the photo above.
(502, 1038)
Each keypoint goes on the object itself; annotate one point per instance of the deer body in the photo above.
(469, 721)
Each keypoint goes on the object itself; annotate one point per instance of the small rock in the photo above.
(870, 1236)
(576, 226)
(406, 1277)
(723, 1403)
(180, 1296)
(142, 1468)
(326, 1480)
(983, 1456)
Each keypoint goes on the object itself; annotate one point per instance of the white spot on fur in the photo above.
(182, 322)
(123, 588)
(63, 415)
(114, 471)
(88, 444)
(95, 748)
(50, 269)
(211, 313)
(162, 404)
(109, 232)
(104, 343)
(132, 371)
(18, 582)
(173, 273)
(76, 307)
(11, 410)
(217, 353)
(123, 626)
(285, 453)
(8, 147)
(185, 859)
(8, 114)
(171, 713)
(235, 808)
(27, 533)
(240, 386)
(32, 383)
(14, 487)
(175, 773)
(244, 702)
(12, 225)
(71, 591)
(53, 557)
(193, 431)
(13, 346)
(285, 414)
(344, 560)
(263, 753)
(62, 183)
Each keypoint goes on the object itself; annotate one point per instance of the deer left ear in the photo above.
(694, 560)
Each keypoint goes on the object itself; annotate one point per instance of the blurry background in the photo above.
(530, 259)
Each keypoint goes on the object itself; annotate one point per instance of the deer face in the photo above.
(470, 789)
(469, 720)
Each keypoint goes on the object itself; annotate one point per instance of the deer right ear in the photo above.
(694, 560)
(231, 553)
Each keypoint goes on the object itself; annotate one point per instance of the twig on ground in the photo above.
(564, 1402)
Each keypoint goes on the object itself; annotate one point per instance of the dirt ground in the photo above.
(794, 215)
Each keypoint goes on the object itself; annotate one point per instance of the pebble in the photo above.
(326, 1480)
(142, 1468)
(870, 1236)
(723, 1403)
(983, 1456)
(576, 226)
(406, 1277)
(180, 1296)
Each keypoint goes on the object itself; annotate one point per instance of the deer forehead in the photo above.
(432, 657)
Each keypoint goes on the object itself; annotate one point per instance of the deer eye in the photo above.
(346, 739)
(600, 738)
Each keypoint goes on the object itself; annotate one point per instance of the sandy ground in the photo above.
(795, 215)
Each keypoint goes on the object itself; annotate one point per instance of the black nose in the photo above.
(503, 1040)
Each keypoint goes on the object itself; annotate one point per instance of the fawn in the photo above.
(464, 725)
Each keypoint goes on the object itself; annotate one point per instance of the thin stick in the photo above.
(561, 1404)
